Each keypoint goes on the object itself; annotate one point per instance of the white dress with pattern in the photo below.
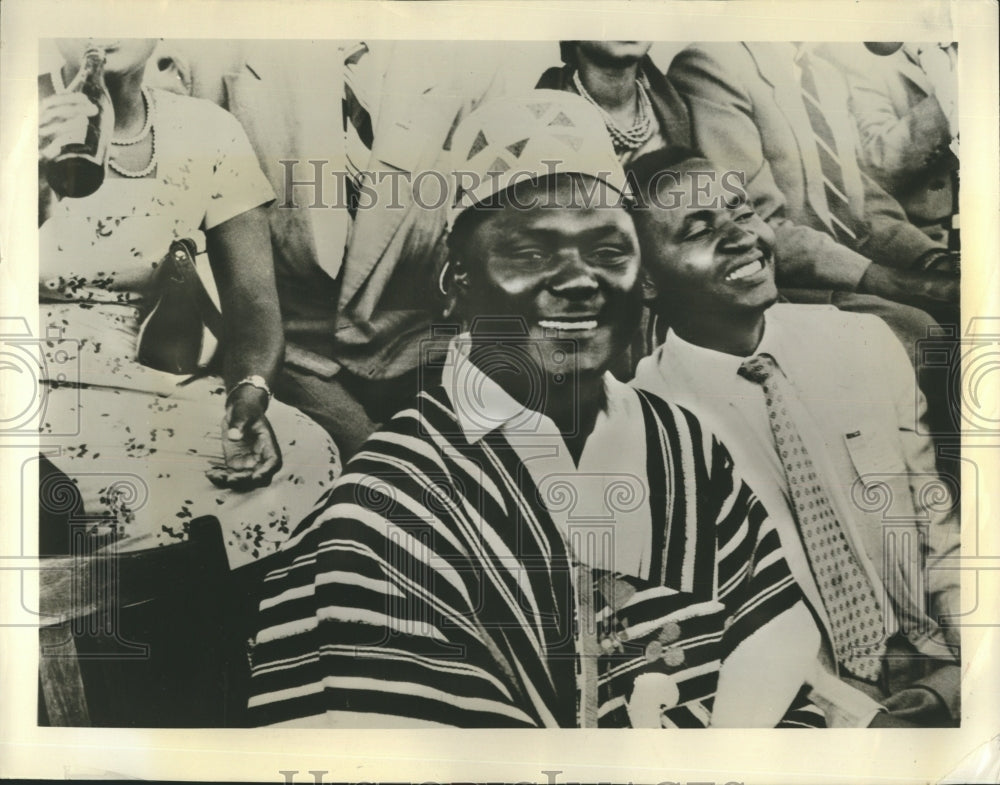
(135, 441)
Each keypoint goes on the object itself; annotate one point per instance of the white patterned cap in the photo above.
(537, 134)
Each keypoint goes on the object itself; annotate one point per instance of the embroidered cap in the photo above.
(537, 134)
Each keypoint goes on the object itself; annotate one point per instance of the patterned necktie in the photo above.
(359, 136)
(842, 220)
(850, 601)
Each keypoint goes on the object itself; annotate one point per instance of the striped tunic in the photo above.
(431, 586)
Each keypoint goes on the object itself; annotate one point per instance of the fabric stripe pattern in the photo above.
(842, 221)
(463, 608)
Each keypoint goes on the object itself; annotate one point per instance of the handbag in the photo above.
(181, 334)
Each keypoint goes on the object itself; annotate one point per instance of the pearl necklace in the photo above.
(624, 138)
(147, 130)
(147, 105)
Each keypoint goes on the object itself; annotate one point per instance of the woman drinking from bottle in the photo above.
(144, 446)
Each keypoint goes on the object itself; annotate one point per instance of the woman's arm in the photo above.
(240, 254)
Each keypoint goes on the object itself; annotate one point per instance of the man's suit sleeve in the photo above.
(895, 148)
(722, 116)
(725, 131)
(893, 240)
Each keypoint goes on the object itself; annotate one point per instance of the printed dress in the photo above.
(136, 442)
(433, 588)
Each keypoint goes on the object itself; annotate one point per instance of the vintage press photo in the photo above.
(485, 371)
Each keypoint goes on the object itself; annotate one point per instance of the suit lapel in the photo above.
(414, 119)
(800, 365)
(769, 490)
(668, 106)
(778, 72)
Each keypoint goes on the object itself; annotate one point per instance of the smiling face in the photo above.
(562, 275)
(706, 249)
(123, 55)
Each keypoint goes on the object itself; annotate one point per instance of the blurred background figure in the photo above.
(904, 100)
(354, 256)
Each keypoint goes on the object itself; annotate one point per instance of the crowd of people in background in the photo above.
(596, 440)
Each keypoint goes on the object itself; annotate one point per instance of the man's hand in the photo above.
(913, 287)
(252, 456)
(886, 720)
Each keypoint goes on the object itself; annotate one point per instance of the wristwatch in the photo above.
(254, 380)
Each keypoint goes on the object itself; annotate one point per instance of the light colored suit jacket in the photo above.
(367, 307)
(862, 430)
(748, 115)
(904, 133)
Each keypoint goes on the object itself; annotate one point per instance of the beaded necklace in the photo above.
(624, 138)
(147, 130)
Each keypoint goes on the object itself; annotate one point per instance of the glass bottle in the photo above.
(79, 167)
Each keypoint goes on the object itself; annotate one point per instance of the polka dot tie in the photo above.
(851, 603)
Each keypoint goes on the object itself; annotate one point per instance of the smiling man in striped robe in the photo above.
(533, 543)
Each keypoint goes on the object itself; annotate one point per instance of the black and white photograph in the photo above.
(405, 382)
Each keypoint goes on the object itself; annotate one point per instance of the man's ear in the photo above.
(453, 283)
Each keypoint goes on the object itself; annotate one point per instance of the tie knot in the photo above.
(758, 368)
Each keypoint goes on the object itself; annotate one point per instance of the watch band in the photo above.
(255, 380)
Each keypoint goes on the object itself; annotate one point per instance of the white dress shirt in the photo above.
(849, 408)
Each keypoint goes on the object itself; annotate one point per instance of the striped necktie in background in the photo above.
(844, 227)
(357, 121)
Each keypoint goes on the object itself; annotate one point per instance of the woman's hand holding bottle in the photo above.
(62, 119)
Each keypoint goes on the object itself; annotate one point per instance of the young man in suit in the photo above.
(820, 404)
